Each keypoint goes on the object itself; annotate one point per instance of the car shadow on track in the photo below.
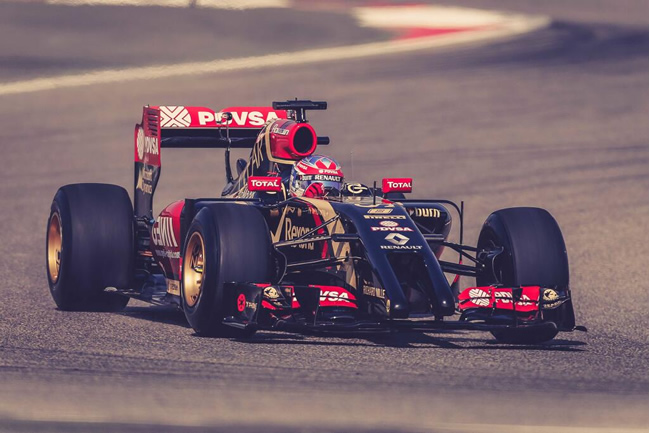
(457, 340)
(169, 315)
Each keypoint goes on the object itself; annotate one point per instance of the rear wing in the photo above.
(176, 126)
(169, 126)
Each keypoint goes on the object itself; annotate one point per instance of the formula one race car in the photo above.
(354, 258)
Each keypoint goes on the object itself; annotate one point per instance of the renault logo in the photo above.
(397, 239)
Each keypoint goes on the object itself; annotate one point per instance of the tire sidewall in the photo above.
(208, 306)
(61, 297)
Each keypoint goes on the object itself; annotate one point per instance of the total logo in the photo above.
(264, 183)
(399, 185)
(162, 233)
(242, 118)
(399, 242)
(146, 145)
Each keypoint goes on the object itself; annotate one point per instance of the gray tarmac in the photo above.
(556, 119)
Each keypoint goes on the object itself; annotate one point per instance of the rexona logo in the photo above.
(146, 145)
(163, 233)
(242, 118)
(292, 231)
(265, 183)
(397, 185)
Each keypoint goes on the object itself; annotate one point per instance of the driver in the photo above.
(316, 176)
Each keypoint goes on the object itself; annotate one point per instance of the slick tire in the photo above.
(89, 246)
(225, 242)
(534, 254)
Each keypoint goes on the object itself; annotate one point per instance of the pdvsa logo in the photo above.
(242, 118)
(146, 145)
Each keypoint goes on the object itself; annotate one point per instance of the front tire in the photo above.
(89, 246)
(226, 242)
(534, 254)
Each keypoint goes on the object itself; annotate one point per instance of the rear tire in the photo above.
(89, 246)
(534, 255)
(225, 242)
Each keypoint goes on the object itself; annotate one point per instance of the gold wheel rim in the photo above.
(54, 247)
(193, 266)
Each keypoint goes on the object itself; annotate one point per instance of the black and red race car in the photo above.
(366, 260)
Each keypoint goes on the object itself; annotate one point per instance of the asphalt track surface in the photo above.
(556, 119)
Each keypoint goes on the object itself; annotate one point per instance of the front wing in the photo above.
(332, 309)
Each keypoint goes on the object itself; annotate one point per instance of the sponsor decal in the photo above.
(241, 118)
(385, 217)
(145, 178)
(388, 224)
(375, 292)
(380, 211)
(391, 229)
(139, 143)
(401, 247)
(397, 185)
(280, 131)
(322, 177)
(174, 117)
(271, 293)
(399, 242)
(397, 239)
(491, 297)
(333, 296)
(480, 297)
(551, 298)
(264, 183)
(425, 212)
(241, 302)
(173, 287)
(355, 188)
(162, 233)
(292, 231)
(146, 145)
(168, 254)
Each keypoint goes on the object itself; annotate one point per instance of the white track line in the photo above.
(215, 4)
(429, 16)
(513, 428)
(514, 25)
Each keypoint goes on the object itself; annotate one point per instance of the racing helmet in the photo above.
(316, 176)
